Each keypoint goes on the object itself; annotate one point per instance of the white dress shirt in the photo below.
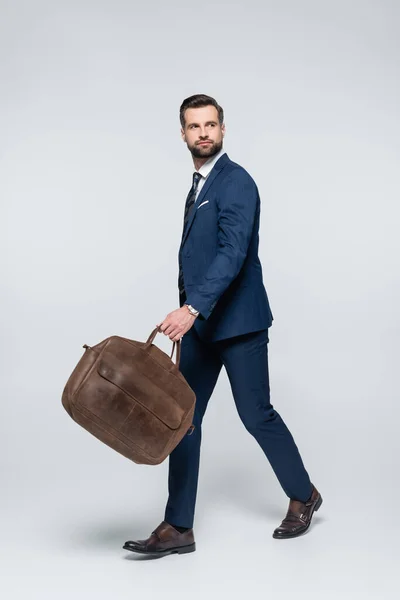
(206, 169)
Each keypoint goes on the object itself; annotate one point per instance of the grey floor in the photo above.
(63, 539)
(69, 502)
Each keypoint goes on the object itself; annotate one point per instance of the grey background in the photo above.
(93, 181)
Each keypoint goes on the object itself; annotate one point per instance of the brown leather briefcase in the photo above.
(131, 396)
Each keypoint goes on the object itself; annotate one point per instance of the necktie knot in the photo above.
(196, 178)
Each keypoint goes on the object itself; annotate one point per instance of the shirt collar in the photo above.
(206, 169)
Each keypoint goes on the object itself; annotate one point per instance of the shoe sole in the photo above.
(292, 535)
(177, 550)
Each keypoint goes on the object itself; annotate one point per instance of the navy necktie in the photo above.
(190, 200)
(191, 197)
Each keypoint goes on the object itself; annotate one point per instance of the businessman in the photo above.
(223, 320)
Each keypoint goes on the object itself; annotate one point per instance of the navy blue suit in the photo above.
(223, 280)
(219, 255)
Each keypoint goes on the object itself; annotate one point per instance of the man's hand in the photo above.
(177, 323)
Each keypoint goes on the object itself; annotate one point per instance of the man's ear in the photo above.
(183, 135)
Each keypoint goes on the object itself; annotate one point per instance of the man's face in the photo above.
(202, 125)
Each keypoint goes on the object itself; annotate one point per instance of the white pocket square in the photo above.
(205, 202)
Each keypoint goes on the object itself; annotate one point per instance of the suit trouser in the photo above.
(245, 359)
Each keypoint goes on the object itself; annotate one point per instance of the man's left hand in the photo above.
(177, 323)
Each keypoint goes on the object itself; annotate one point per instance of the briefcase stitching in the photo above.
(140, 403)
(117, 433)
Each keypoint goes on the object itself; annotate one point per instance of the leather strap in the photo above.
(165, 531)
(176, 346)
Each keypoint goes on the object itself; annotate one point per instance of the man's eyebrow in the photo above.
(207, 123)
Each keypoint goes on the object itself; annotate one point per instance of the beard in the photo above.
(206, 151)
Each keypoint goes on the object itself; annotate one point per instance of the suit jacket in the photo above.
(219, 256)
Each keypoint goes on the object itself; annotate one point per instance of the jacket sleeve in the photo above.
(237, 207)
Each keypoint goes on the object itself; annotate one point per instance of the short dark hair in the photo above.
(198, 101)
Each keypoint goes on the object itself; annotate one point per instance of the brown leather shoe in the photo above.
(164, 540)
(298, 516)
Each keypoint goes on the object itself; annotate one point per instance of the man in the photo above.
(223, 319)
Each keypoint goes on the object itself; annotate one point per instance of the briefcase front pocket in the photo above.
(140, 389)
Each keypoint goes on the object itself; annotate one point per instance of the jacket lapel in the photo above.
(219, 165)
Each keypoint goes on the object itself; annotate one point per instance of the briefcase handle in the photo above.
(176, 345)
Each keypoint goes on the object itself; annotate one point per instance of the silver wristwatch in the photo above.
(192, 310)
